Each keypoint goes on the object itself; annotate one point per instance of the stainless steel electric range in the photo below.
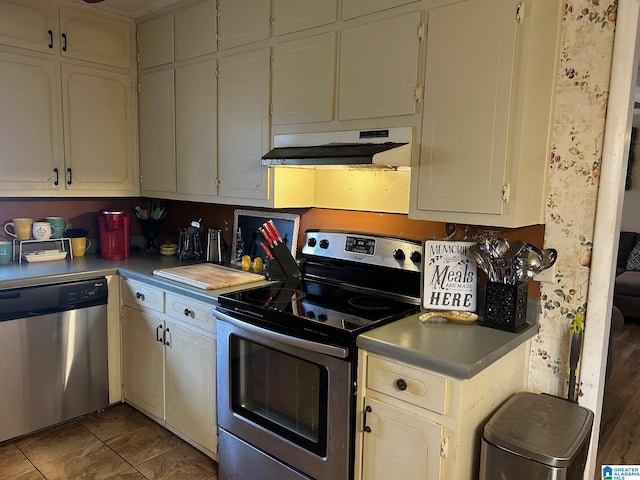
(287, 355)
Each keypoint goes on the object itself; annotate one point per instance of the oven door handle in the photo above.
(338, 352)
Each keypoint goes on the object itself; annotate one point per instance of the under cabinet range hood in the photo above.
(384, 147)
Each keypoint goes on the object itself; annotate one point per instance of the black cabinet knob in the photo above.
(401, 384)
(187, 312)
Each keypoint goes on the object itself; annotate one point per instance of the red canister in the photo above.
(115, 233)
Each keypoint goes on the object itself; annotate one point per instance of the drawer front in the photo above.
(142, 296)
(191, 311)
(407, 383)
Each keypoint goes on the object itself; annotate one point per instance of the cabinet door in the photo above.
(155, 41)
(196, 129)
(243, 21)
(96, 39)
(99, 135)
(196, 32)
(400, 445)
(191, 385)
(29, 125)
(31, 24)
(468, 83)
(379, 68)
(295, 15)
(243, 125)
(356, 8)
(304, 80)
(156, 119)
(143, 361)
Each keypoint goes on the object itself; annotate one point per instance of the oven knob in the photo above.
(323, 317)
(310, 315)
(324, 243)
(311, 242)
(398, 254)
(415, 256)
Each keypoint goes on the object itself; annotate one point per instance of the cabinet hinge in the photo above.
(506, 190)
(417, 93)
(272, 60)
(271, 109)
(218, 11)
(444, 447)
(137, 38)
(139, 89)
(420, 32)
(273, 20)
(138, 57)
(218, 182)
(519, 12)
(217, 74)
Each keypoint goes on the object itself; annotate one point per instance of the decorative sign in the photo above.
(449, 276)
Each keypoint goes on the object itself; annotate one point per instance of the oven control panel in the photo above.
(364, 248)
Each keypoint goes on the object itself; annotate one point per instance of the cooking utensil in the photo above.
(483, 260)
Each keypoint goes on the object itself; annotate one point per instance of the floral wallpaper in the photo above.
(573, 176)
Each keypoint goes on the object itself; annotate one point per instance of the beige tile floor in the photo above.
(118, 443)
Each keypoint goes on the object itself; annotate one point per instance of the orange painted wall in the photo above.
(83, 213)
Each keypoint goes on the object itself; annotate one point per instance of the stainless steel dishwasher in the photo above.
(53, 354)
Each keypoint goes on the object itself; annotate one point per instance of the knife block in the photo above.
(505, 306)
(282, 266)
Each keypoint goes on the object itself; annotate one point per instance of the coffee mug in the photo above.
(41, 230)
(79, 246)
(6, 251)
(21, 228)
(58, 226)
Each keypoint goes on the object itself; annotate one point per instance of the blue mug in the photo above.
(58, 226)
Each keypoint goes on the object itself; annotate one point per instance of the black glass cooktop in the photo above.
(316, 310)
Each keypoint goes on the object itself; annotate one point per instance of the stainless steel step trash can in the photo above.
(536, 436)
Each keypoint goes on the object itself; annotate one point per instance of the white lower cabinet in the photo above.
(169, 362)
(413, 423)
(399, 444)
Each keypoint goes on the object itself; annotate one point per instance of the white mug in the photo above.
(41, 230)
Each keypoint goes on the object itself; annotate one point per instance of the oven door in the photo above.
(286, 400)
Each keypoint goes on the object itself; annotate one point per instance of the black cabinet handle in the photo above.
(187, 312)
(64, 42)
(50, 38)
(166, 341)
(140, 296)
(401, 384)
(158, 336)
(56, 172)
(366, 427)
(69, 177)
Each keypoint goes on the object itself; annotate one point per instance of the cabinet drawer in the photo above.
(140, 295)
(191, 311)
(410, 384)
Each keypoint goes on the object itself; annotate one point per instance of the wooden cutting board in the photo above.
(208, 276)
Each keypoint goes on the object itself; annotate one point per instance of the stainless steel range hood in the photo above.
(384, 147)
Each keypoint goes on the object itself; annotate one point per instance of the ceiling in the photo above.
(129, 8)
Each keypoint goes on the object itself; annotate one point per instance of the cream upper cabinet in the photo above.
(295, 15)
(243, 124)
(156, 121)
(69, 119)
(196, 30)
(155, 41)
(30, 127)
(99, 130)
(31, 24)
(304, 79)
(356, 8)
(85, 36)
(485, 142)
(196, 128)
(243, 21)
(379, 68)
